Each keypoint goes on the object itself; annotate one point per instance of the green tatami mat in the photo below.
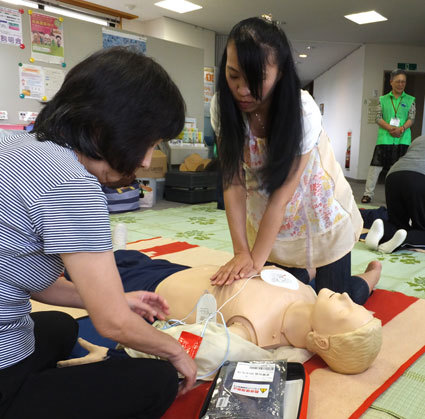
(402, 271)
(205, 225)
(405, 399)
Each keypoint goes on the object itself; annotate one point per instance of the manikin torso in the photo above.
(258, 316)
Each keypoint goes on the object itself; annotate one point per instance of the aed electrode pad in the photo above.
(279, 278)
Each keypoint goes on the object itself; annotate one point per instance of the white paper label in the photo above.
(251, 389)
(222, 401)
(395, 122)
(3, 115)
(207, 305)
(254, 372)
(280, 278)
(28, 116)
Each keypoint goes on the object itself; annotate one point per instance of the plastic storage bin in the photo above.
(191, 187)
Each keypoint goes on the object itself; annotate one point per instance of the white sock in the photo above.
(397, 240)
(119, 237)
(375, 234)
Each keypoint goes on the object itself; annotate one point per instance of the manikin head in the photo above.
(345, 335)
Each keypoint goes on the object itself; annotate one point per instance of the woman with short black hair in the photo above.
(103, 124)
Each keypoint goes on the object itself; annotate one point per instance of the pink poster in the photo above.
(47, 43)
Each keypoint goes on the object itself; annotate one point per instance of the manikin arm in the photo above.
(96, 354)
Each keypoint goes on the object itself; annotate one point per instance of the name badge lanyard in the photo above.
(395, 110)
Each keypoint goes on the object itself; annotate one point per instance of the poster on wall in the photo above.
(10, 26)
(113, 38)
(372, 110)
(31, 82)
(39, 83)
(47, 40)
(53, 79)
(208, 88)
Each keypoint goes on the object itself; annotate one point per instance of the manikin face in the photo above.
(398, 84)
(238, 85)
(103, 171)
(336, 313)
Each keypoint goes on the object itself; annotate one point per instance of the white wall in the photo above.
(378, 59)
(175, 31)
(340, 90)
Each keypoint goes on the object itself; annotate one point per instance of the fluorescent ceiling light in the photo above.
(302, 55)
(75, 15)
(22, 3)
(59, 11)
(366, 17)
(179, 6)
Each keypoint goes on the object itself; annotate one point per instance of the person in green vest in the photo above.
(395, 115)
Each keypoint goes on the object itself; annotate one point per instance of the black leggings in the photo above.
(115, 388)
(405, 196)
(337, 277)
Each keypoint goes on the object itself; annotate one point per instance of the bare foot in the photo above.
(372, 274)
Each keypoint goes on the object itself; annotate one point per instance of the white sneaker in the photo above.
(119, 237)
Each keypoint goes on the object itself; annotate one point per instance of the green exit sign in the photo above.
(407, 66)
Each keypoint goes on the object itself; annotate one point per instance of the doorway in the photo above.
(415, 86)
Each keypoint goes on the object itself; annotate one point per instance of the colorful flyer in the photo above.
(113, 38)
(47, 41)
(31, 82)
(10, 26)
(209, 87)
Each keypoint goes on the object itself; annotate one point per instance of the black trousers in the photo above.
(405, 197)
(115, 388)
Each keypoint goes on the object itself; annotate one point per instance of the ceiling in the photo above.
(319, 24)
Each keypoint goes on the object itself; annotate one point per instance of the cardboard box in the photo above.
(157, 169)
(176, 153)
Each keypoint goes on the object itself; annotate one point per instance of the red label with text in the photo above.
(190, 343)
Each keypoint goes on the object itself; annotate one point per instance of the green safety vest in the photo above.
(402, 106)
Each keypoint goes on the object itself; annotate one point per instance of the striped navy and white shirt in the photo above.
(49, 204)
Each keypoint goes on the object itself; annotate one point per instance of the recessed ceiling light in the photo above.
(179, 6)
(366, 17)
(302, 55)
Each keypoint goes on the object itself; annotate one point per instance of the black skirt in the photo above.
(386, 155)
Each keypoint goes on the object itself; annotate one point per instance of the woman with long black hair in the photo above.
(286, 198)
